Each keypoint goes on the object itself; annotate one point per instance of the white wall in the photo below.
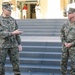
(53, 10)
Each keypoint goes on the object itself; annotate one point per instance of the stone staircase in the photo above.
(41, 53)
(41, 27)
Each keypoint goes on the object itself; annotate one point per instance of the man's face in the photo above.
(6, 12)
(71, 17)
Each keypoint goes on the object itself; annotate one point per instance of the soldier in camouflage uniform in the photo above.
(68, 43)
(10, 42)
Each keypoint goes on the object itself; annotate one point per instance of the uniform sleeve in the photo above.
(73, 41)
(62, 34)
(4, 33)
(17, 36)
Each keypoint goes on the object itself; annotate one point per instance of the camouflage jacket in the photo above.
(7, 40)
(68, 32)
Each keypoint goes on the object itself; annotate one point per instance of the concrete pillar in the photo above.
(14, 2)
(44, 5)
(28, 11)
(14, 5)
(0, 7)
(63, 4)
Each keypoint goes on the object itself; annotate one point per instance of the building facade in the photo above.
(49, 8)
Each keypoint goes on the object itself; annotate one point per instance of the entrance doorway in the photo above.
(30, 13)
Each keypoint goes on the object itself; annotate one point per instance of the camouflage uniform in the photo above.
(68, 35)
(9, 44)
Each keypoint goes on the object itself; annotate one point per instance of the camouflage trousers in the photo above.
(13, 54)
(66, 54)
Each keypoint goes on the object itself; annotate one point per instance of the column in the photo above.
(14, 2)
(28, 11)
(0, 7)
(44, 8)
(14, 5)
(63, 4)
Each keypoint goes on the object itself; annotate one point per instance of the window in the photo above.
(71, 1)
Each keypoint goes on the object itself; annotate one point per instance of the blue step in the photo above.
(41, 43)
(42, 48)
(40, 54)
(36, 68)
(42, 27)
